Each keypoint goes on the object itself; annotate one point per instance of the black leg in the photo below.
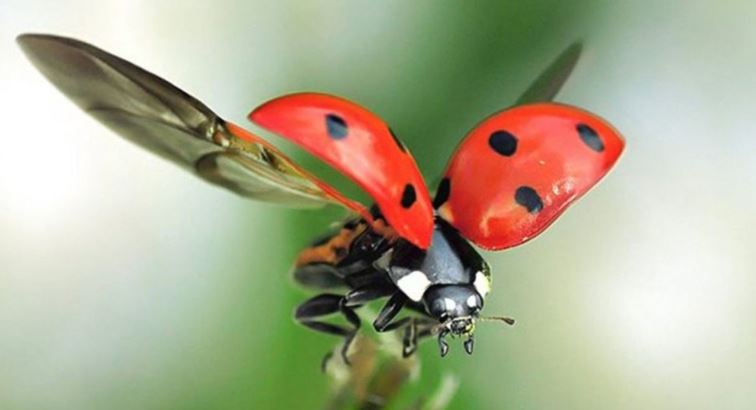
(413, 334)
(318, 306)
(389, 311)
(426, 331)
(318, 275)
(366, 294)
(415, 329)
(324, 361)
(397, 324)
(326, 328)
(409, 341)
(442, 345)
(354, 320)
(385, 323)
(469, 344)
(323, 305)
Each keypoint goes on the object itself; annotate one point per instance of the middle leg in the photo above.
(310, 312)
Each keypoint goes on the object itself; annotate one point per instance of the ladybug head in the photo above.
(452, 303)
(457, 308)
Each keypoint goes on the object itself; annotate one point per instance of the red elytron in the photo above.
(510, 178)
(517, 171)
(361, 146)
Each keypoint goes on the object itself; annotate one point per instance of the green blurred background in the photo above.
(126, 283)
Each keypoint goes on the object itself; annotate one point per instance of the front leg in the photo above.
(421, 328)
(415, 328)
(385, 323)
(442, 345)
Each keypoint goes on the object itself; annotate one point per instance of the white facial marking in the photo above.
(450, 304)
(482, 284)
(472, 301)
(413, 285)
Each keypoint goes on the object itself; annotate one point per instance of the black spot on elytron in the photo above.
(503, 142)
(442, 194)
(408, 196)
(528, 197)
(590, 137)
(375, 212)
(397, 141)
(336, 126)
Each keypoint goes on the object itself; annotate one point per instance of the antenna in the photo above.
(507, 320)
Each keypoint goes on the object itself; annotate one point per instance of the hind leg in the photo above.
(318, 275)
(309, 313)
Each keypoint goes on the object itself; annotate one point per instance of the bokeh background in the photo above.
(126, 283)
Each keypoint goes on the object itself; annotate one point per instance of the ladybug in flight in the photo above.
(508, 180)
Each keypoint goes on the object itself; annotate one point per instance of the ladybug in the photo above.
(508, 180)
